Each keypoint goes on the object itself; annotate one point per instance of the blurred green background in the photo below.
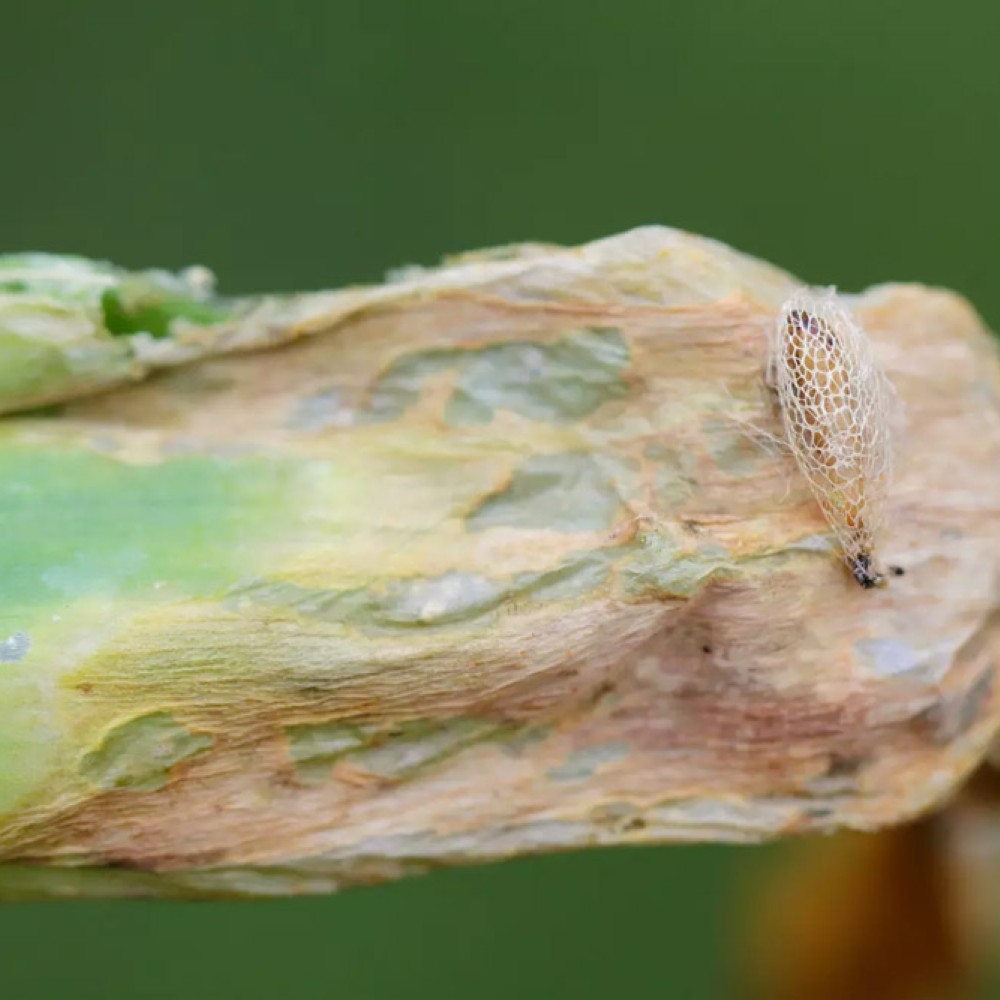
(311, 144)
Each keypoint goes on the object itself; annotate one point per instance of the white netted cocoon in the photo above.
(835, 405)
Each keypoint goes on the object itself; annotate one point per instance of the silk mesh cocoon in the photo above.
(835, 405)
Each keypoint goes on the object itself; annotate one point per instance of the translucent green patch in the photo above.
(139, 754)
(676, 474)
(658, 569)
(413, 746)
(557, 382)
(425, 602)
(734, 451)
(400, 386)
(572, 491)
(392, 752)
(314, 748)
